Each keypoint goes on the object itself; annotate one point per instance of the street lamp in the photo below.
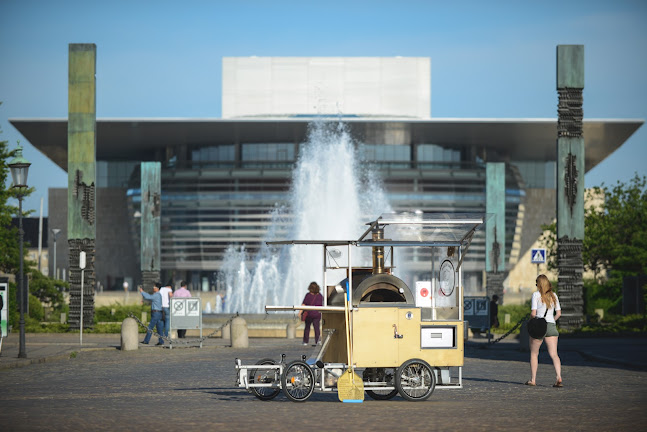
(55, 231)
(19, 168)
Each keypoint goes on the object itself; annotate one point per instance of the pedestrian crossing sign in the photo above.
(538, 256)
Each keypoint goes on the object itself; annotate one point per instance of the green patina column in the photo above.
(81, 168)
(570, 183)
(151, 188)
(495, 228)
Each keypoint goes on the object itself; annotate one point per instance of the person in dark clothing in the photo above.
(494, 312)
(312, 317)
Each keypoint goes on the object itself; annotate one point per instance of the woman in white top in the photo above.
(542, 299)
(167, 293)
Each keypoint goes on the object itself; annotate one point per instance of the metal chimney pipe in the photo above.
(378, 251)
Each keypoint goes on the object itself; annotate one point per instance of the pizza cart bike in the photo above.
(379, 336)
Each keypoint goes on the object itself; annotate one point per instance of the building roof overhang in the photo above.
(532, 139)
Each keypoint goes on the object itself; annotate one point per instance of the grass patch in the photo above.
(517, 312)
(110, 328)
(34, 326)
(616, 325)
(117, 312)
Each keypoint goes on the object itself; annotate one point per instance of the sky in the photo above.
(493, 59)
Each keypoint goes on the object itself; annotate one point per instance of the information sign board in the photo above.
(186, 313)
(477, 312)
(4, 293)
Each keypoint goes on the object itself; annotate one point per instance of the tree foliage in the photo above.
(9, 239)
(9, 250)
(615, 231)
(9, 236)
(48, 291)
(615, 241)
(549, 240)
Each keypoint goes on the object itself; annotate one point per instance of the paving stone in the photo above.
(193, 389)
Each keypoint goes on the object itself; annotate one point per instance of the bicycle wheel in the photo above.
(415, 380)
(381, 375)
(265, 376)
(298, 381)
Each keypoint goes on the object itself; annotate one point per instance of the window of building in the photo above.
(114, 174)
(436, 153)
(218, 153)
(395, 156)
(538, 175)
(267, 155)
(268, 152)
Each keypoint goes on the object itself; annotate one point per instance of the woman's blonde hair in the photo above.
(313, 288)
(546, 291)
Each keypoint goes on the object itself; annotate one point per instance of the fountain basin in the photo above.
(272, 325)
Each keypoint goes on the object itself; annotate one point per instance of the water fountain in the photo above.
(332, 195)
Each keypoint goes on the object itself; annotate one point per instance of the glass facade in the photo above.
(229, 200)
(396, 156)
(436, 153)
(115, 174)
(538, 175)
(212, 156)
(267, 152)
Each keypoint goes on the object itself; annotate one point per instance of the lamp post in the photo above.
(19, 168)
(55, 231)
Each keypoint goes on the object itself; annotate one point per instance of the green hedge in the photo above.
(121, 312)
(517, 312)
(615, 324)
(103, 314)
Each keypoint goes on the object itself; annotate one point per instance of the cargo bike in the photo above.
(380, 336)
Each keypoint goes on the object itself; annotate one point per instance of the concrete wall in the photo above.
(539, 210)
(57, 219)
(116, 256)
(370, 86)
(108, 298)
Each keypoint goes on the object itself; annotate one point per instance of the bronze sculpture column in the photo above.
(495, 229)
(151, 206)
(570, 183)
(81, 172)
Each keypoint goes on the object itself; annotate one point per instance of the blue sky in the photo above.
(492, 59)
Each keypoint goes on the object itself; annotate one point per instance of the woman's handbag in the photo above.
(537, 327)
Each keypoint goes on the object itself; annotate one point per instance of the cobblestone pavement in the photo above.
(193, 389)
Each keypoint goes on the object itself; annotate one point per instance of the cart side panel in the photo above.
(336, 352)
(452, 334)
(374, 343)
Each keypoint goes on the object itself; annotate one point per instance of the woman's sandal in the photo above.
(530, 383)
(558, 384)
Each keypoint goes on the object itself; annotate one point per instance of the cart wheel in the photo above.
(415, 380)
(380, 375)
(265, 376)
(298, 381)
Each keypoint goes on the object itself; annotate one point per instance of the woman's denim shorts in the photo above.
(551, 330)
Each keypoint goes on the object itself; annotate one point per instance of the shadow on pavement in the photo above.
(627, 353)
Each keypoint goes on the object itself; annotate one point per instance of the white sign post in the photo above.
(82, 267)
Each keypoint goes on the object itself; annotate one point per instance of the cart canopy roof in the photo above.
(427, 228)
(413, 229)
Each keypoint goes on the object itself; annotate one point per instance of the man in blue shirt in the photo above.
(156, 313)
